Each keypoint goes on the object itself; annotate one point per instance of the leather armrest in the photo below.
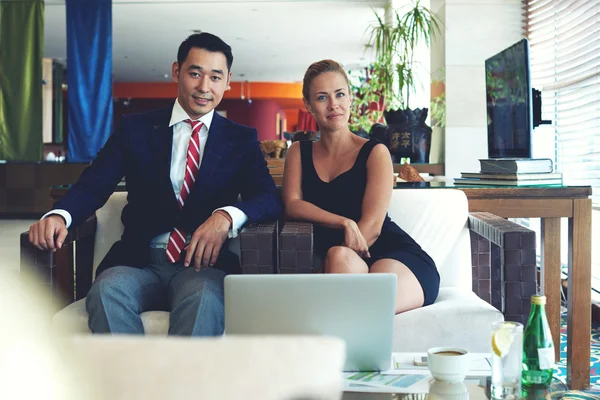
(258, 244)
(503, 257)
(296, 248)
(58, 271)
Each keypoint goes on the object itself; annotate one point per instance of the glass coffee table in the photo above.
(470, 389)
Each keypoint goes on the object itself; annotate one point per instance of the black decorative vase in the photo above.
(408, 136)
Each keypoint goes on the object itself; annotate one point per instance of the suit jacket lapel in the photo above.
(216, 150)
(161, 143)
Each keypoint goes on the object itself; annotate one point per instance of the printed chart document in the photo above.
(406, 377)
(379, 382)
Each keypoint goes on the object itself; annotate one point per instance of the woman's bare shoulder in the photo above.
(294, 148)
(380, 151)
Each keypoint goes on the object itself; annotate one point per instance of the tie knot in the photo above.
(196, 125)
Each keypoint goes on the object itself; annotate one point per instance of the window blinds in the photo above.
(564, 39)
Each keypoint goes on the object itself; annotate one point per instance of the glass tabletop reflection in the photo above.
(470, 389)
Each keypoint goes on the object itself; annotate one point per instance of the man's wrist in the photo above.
(64, 214)
(225, 215)
(58, 215)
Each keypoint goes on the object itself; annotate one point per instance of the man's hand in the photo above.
(48, 233)
(354, 239)
(206, 242)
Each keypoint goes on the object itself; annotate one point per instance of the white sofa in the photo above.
(438, 219)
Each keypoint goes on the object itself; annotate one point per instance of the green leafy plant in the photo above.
(437, 110)
(388, 82)
(367, 105)
(394, 44)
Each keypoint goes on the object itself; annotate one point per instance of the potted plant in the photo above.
(394, 44)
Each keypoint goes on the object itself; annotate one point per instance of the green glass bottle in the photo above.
(538, 348)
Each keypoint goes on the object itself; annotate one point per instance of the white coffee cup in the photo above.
(448, 364)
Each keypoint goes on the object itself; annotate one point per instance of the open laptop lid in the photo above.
(358, 308)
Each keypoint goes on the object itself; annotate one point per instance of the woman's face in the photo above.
(329, 101)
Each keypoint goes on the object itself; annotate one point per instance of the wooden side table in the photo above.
(550, 204)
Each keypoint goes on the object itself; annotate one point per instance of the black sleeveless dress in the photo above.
(344, 196)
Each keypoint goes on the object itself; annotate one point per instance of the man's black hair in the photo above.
(206, 41)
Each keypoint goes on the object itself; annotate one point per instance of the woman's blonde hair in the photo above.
(318, 68)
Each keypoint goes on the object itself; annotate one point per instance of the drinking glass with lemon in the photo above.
(507, 359)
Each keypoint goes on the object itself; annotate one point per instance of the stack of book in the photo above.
(512, 172)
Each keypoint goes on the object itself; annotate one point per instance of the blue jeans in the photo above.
(195, 299)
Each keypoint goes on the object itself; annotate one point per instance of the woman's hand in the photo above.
(354, 239)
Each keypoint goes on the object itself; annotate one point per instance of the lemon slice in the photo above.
(502, 338)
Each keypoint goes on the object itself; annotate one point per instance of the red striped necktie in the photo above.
(177, 237)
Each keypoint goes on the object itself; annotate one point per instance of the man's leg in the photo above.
(197, 302)
(119, 295)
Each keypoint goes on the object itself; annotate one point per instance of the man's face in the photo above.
(201, 81)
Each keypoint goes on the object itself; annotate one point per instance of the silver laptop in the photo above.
(358, 308)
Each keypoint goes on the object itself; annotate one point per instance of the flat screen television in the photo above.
(510, 102)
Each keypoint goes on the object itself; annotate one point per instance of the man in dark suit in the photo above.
(185, 167)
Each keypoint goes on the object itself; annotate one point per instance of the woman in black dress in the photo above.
(342, 183)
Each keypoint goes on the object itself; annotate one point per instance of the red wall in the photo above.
(292, 118)
(263, 116)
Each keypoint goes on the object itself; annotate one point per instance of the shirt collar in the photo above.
(178, 115)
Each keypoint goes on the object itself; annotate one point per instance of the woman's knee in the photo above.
(342, 260)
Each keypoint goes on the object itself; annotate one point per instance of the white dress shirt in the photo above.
(182, 132)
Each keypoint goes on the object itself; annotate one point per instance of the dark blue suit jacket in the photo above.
(233, 164)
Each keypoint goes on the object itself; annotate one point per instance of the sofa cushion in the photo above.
(437, 219)
(74, 319)
(108, 226)
(458, 318)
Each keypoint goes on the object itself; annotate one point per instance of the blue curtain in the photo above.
(89, 77)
